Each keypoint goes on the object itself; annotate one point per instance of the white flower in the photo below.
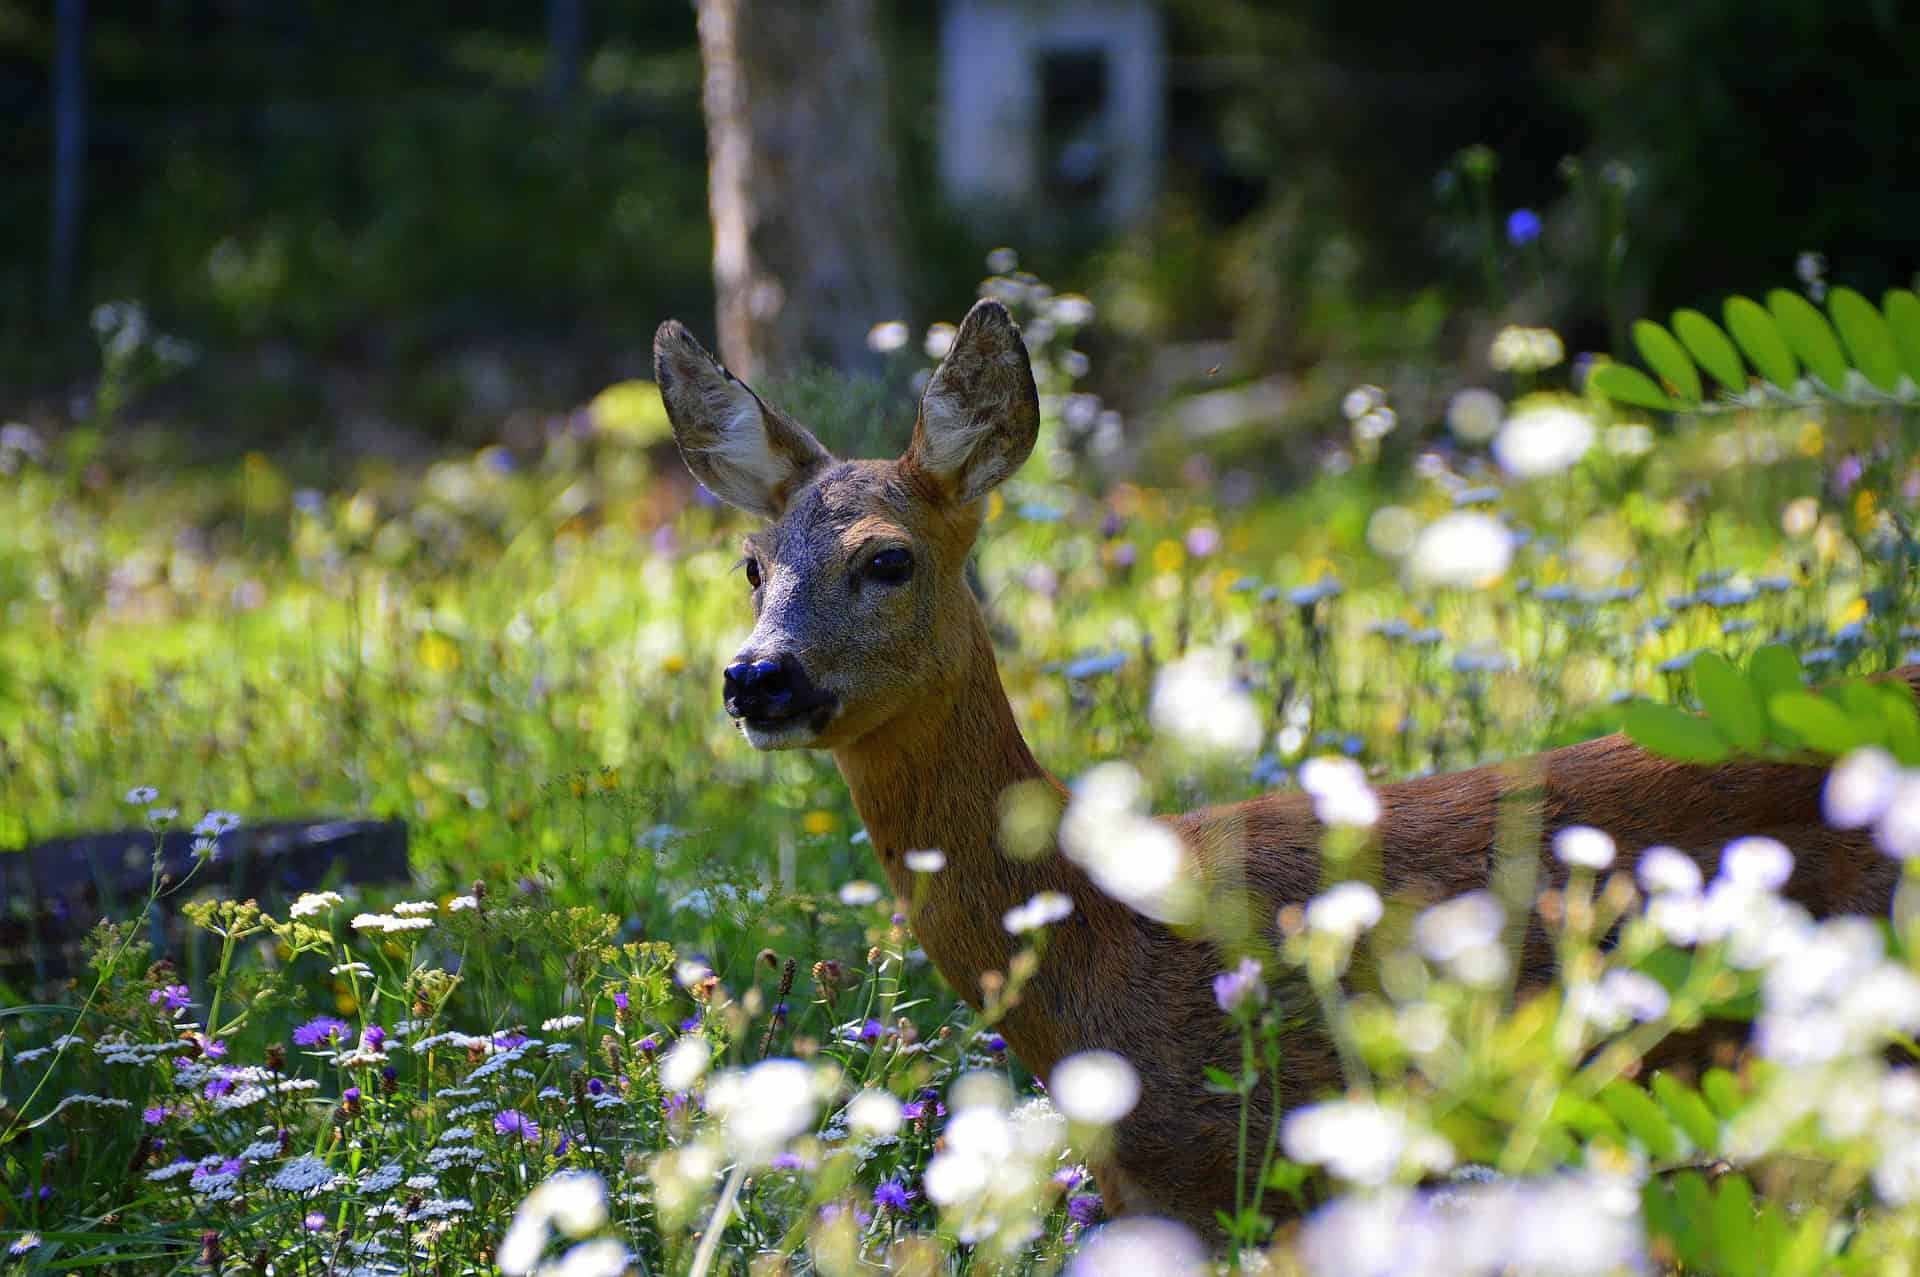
(1360, 1141)
(1517, 349)
(887, 337)
(1463, 934)
(859, 893)
(926, 860)
(459, 903)
(1666, 870)
(1341, 795)
(1046, 908)
(215, 823)
(561, 1023)
(1584, 846)
(763, 1107)
(1898, 832)
(162, 815)
(1096, 1087)
(874, 1112)
(304, 1174)
(141, 795)
(684, 1063)
(1198, 702)
(940, 340)
(1133, 858)
(602, 1257)
(1860, 788)
(574, 1202)
(1344, 910)
(1467, 550)
(313, 902)
(1474, 415)
(1763, 864)
(1140, 1247)
(1072, 309)
(389, 923)
(415, 908)
(1543, 440)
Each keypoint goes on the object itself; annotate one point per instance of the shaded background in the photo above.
(388, 227)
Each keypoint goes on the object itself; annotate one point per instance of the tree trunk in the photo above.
(69, 152)
(802, 183)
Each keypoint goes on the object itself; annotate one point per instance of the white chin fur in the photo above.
(795, 735)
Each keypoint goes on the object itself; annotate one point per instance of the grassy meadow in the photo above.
(644, 1008)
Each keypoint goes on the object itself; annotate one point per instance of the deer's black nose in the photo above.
(763, 689)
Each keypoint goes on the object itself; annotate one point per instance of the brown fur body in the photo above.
(926, 740)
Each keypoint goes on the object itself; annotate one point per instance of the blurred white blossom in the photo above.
(1198, 702)
(1341, 794)
(1130, 856)
(1096, 1087)
(1467, 549)
(1543, 439)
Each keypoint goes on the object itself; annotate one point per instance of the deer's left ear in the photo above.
(981, 411)
(748, 454)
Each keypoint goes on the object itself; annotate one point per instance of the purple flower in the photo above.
(1203, 541)
(218, 1086)
(1847, 473)
(1523, 227)
(621, 1001)
(1240, 991)
(872, 1031)
(514, 1122)
(892, 1193)
(1069, 1176)
(996, 1043)
(320, 1031)
(351, 1095)
(155, 1115)
(177, 997)
(507, 1039)
(689, 1024)
(373, 1038)
(1083, 1208)
(787, 1162)
(314, 1221)
(214, 1048)
(595, 1086)
(649, 1044)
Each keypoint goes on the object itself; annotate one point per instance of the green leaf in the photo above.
(1722, 1090)
(1803, 1253)
(1672, 733)
(1685, 1106)
(1643, 1119)
(1761, 341)
(1868, 338)
(1667, 358)
(1629, 386)
(1732, 703)
(1733, 1226)
(1711, 348)
(1903, 317)
(1811, 337)
(1695, 1216)
(1823, 725)
(1775, 671)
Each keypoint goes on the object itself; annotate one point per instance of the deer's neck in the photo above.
(934, 779)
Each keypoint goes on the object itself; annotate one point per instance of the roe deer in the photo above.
(868, 643)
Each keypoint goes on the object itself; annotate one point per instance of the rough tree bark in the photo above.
(802, 183)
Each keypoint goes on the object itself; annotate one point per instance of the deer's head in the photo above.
(862, 611)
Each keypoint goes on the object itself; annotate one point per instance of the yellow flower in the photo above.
(1812, 440)
(438, 653)
(1168, 556)
(673, 663)
(995, 504)
(1854, 611)
(818, 822)
(1864, 505)
(344, 1002)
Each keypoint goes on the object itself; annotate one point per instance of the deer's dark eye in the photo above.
(890, 566)
(753, 573)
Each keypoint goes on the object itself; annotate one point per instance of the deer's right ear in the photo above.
(980, 414)
(746, 453)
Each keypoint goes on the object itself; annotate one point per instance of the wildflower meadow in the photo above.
(644, 1005)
